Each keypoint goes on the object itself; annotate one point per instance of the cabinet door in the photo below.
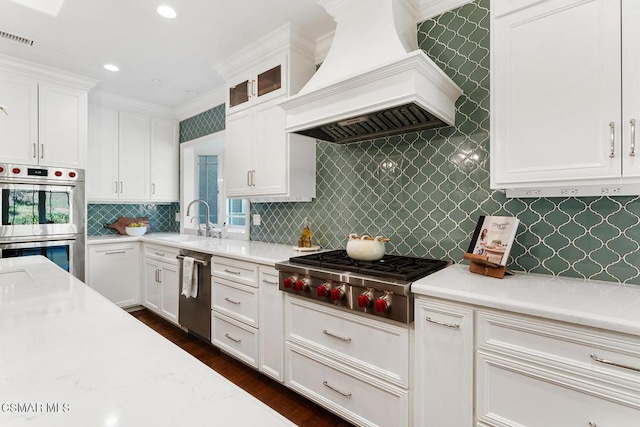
(152, 289)
(19, 121)
(555, 90)
(62, 126)
(270, 80)
(102, 155)
(444, 362)
(114, 271)
(271, 154)
(238, 94)
(164, 160)
(630, 88)
(170, 291)
(238, 154)
(271, 320)
(133, 154)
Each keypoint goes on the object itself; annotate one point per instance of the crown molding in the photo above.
(46, 73)
(130, 104)
(202, 103)
(432, 8)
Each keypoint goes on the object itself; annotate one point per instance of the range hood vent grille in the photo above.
(391, 121)
(15, 38)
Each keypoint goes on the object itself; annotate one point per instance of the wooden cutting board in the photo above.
(123, 222)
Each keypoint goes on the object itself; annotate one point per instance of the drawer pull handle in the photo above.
(113, 253)
(269, 282)
(232, 338)
(345, 394)
(159, 254)
(336, 336)
(232, 301)
(448, 325)
(608, 362)
(232, 272)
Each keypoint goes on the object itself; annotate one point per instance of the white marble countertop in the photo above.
(258, 252)
(69, 357)
(606, 305)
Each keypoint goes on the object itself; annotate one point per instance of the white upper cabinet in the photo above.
(262, 161)
(132, 156)
(42, 121)
(560, 72)
(262, 82)
(18, 119)
(631, 88)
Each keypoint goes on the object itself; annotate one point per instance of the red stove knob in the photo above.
(324, 289)
(1, 169)
(364, 299)
(383, 304)
(72, 174)
(288, 282)
(58, 173)
(15, 170)
(337, 293)
(302, 284)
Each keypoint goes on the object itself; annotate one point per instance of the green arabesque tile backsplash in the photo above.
(161, 217)
(426, 190)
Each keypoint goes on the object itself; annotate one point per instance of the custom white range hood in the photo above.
(374, 81)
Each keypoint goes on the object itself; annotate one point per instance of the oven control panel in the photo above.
(28, 173)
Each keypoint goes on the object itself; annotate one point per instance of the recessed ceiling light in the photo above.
(111, 67)
(167, 12)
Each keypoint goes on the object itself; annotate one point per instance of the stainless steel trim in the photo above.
(633, 137)
(248, 179)
(253, 178)
(114, 252)
(232, 272)
(269, 282)
(35, 150)
(233, 339)
(612, 137)
(17, 244)
(42, 151)
(232, 301)
(153, 188)
(116, 183)
(344, 393)
(205, 263)
(608, 362)
(121, 187)
(336, 336)
(448, 325)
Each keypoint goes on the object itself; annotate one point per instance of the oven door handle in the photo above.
(36, 243)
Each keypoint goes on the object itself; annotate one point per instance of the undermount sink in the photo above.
(179, 237)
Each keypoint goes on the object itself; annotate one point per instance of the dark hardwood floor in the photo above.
(290, 404)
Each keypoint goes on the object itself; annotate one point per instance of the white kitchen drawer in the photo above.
(239, 271)
(377, 348)
(162, 253)
(563, 346)
(358, 398)
(237, 339)
(545, 399)
(235, 300)
(268, 276)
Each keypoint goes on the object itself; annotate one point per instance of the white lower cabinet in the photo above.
(271, 315)
(353, 365)
(161, 281)
(114, 271)
(236, 338)
(444, 364)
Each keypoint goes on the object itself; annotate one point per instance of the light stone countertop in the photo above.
(605, 305)
(69, 357)
(258, 252)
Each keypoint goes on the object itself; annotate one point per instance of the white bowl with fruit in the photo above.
(136, 229)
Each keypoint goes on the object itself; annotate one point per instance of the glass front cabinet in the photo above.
(261, 83)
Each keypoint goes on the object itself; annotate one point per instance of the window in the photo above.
(208, 187)
(237, 212)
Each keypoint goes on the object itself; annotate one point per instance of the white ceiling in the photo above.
(86, 34)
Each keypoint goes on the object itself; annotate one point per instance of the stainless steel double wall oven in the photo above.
(43, 212)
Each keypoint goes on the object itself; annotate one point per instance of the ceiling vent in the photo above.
(15, 38)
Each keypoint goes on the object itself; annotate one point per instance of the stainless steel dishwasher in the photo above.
(195, 313)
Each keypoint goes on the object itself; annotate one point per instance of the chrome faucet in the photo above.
(207, 227)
